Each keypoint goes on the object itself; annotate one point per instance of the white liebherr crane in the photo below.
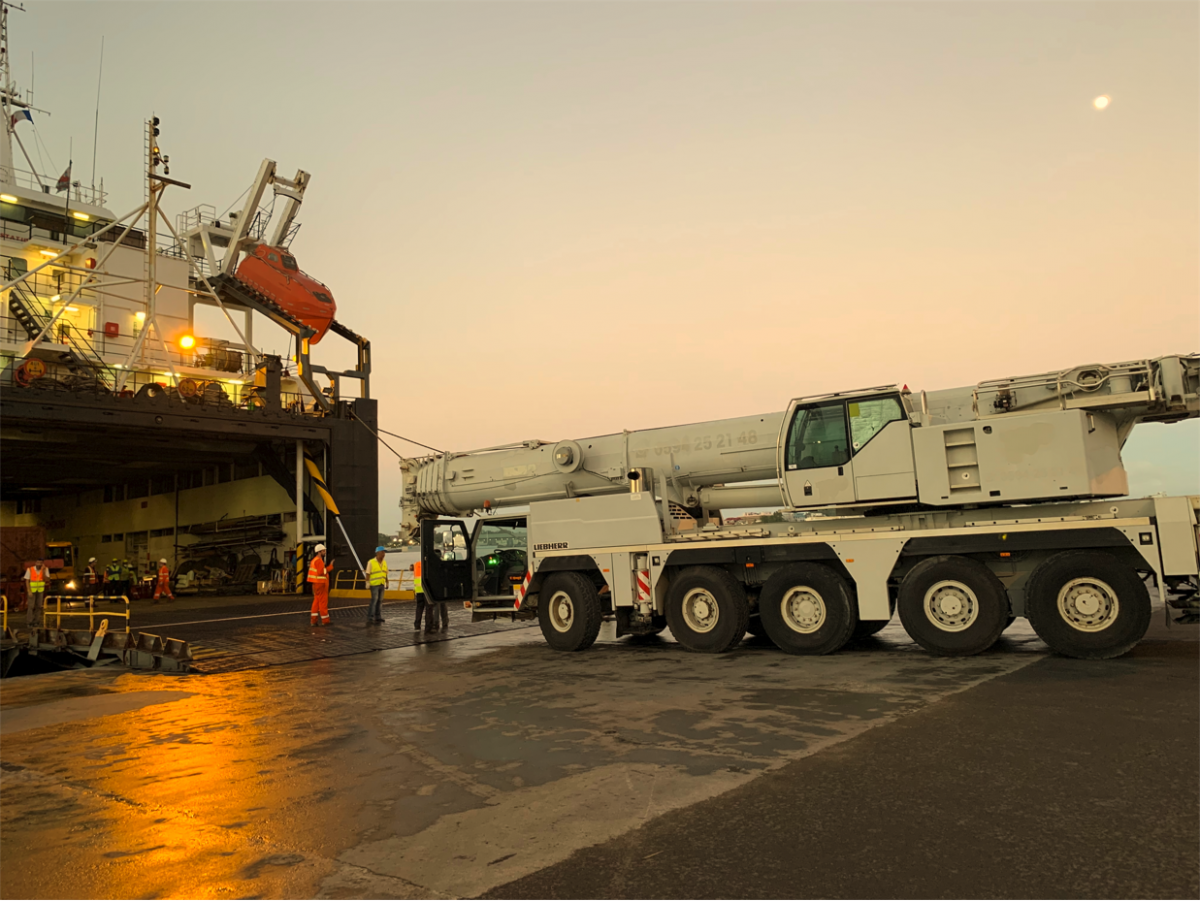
(963, 508)
(696, 465)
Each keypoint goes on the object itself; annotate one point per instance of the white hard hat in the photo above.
(91, 559)
(319, 548)
(163, 560)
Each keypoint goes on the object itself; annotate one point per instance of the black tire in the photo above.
(807, 608)
(575, 626)
(958, 619)
(716, 615)
(1072, 628)
(865, 628)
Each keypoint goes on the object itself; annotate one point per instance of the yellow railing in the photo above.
(4, 610)
(58, 613)
(353, 580)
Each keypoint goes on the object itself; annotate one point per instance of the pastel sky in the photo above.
(564, 219)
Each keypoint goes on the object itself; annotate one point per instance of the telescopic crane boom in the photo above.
(1055, 435)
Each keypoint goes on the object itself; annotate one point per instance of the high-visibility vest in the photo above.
(377, 572)
(316, 571)
(164, 573)
(92, 576)
(417, 578)
(37, 578)
(114, 572)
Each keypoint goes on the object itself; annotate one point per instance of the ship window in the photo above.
(289, 262)
(868, 417)
(322, 296)
(106, 539)
(13, 212)
(818, 438)
(272, 258)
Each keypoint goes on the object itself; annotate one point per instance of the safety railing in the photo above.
(79, 192)
(353, 580)
(4, 611)
(58, 613)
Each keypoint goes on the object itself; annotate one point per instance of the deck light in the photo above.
(49, 253)
(83, 216)
(187, 342)
(56, 298)
(139, 316)
(8, 198)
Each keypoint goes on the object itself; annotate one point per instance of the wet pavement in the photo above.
(493, 765)
(229, 634)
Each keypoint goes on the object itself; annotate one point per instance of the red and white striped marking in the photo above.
(643, 585)
(519, 592)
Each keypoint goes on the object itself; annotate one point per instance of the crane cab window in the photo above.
(868, 417)
(289, 262)
(818, 437)
(500, 557)
(272, 258)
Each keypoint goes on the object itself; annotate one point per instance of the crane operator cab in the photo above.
(485, 566)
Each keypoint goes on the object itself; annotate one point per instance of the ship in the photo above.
(129, 436)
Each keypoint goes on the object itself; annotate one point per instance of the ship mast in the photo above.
(6, 92)
(9, 100)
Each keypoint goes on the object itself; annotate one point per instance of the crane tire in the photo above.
(1087, 604)
(569, 611)
(707, 609)
(808, 608)
(865, 628)
(953, 606)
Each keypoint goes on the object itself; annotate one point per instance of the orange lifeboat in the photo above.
(273, 271)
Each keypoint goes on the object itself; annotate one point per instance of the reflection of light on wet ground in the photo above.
(271, 781)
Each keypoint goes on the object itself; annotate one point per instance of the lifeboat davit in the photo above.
(273, 271)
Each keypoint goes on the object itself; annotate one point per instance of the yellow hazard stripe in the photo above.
(319, 484)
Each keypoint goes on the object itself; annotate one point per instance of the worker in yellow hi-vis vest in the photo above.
(422, 606)
(377, 575)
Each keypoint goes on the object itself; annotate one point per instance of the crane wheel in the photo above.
(569, 611)
(865, 628)
(953, 606)
(707, 609)
(807, 609)
(1088, 604)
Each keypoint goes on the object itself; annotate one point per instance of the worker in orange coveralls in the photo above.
(318, 574)
(164, 581)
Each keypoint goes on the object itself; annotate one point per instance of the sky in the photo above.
(561, 219)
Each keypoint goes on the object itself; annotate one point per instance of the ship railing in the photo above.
(60, 230)
(91, 613)
(213, 354)
(79, 192)
(215, 393)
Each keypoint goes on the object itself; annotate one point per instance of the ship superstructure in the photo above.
(127, 433)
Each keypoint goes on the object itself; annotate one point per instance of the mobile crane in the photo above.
(964, 508)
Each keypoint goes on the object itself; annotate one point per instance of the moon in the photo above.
(1102, 102)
